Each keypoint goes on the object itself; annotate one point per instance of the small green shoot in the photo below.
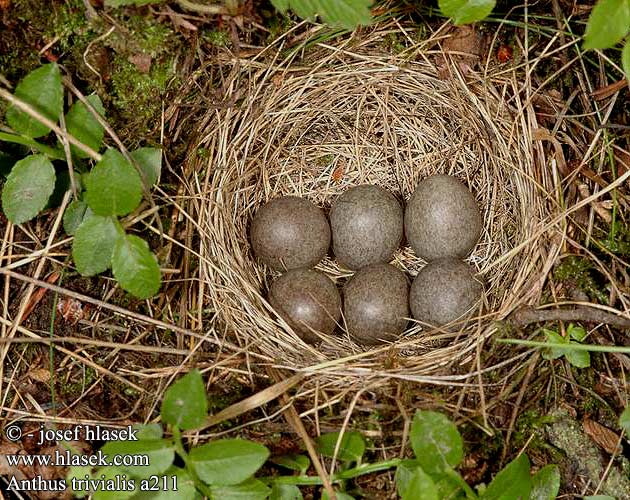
(575, 335)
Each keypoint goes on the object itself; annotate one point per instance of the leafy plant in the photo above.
(111, 189)
(575, 335)
(224, 469)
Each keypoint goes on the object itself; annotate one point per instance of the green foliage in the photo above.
(436, 442)
(350, 449)
(28, 187)
(608, 24)
(285, 492)
(112, 188)
(42, 90)
(546, 483)
(513, 482)
(624, 420)
(575, 334)
(342, 13)
(185, 405)
(466, 11)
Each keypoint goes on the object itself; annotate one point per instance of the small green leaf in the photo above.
(608, 23)
(624, 420)
(159, 453)
(84, 126)
(42, 89)
(185, 405)
(347, 14)
(75, 212)
(228, 461)
(148, 432)
(546, 483)
(252, 489)
(466, 11)
(135, 268)
(94, 243)
(576, 332)
(298, 463)
(150, 162)
(285, 492)
(113, 187)
(436, 442)
(625, 59)
(185, 487)
(112, 474)
(511, 483)
(554, 338)
(420, 487)
(579, 359)
(27, 189)
(339, 494)
(351, 448)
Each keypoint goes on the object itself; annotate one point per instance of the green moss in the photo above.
(581, 273)
(216, 38)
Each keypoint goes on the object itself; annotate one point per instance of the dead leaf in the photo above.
(5, 4)
(141, 61)
(603, 436)
(605, 92)
(40, 374)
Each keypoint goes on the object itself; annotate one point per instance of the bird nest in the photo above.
(349, 112)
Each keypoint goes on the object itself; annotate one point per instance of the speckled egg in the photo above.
(307, 300)
(367, 226)
(290, 233)
(444, 291)
(376, 304)
(442, 219)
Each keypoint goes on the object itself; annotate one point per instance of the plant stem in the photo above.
(53, 153)
(335, 478)
(179, 448)
(572, 346)
(460, 480)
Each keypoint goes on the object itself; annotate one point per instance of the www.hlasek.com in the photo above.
(66, 458)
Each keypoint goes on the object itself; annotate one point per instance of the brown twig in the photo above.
(527, 314)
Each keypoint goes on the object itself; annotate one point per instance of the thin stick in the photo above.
(527, 314)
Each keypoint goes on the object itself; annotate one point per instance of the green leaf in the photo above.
(625, 59)
(159, 452)
(27, 189)
(42, 89)
(576, 332)
(599, 497)
(94, 243)
(228, 461)
(412, 483)
(512, 483)
(298, 463)
(546, 483)
(78, 472)
(185, 487)
(184, 404)
(579, 359)
(150, 162)
(135, 268)
(466, 11)
(113, 187)
(75, 212)
(339, 494)
(343, 13)
(608, 23)
(148, 432)
(554, 338)
(436, 442)
(84, 126)
(351, 448)
(285, 492)
(252, 489)
(112, 474)
(624, 420)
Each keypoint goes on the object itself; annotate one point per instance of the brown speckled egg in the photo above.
(290, 233)
(367, 226)
(376, 304)
(444, 291)
(307, 300)
(442, 219)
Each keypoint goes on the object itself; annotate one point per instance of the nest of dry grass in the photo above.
(349, 112)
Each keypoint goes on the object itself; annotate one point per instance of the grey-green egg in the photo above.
(290, 233)
(367, 226)
(307, 300)
(442, 219)
(444, 291)
(376, 304)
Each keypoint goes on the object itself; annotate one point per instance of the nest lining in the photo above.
(351, 118)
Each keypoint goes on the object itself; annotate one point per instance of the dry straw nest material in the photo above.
(349, 112)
